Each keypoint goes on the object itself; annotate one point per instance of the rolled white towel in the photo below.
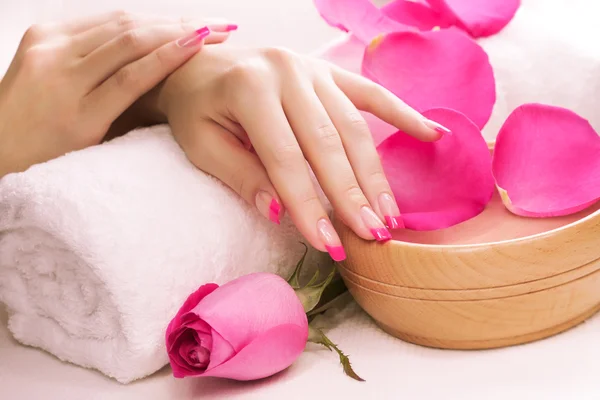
(99, 249)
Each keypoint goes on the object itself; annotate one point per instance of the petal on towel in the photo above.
(360, 17)
(269, 353)
(442, 183)
(440, 69)
(478, 17)
(247, 307)
(221, 350)
(191, 302)
(547, 162)
(415, 14)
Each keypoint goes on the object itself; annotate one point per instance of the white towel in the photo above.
(99, 249)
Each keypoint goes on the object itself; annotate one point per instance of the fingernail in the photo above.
(442, 130)
(331, 240)
(374, 224)
(224, 27)
(194, 39)
(390, 211)
(268, 206)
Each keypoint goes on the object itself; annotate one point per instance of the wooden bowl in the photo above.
(493, 281)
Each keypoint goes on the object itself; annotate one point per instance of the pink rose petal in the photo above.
(247, 307)
(221, 350)
(443, 183)
(478, 17)
(360, 17)
(415, 14)
(441, 69)
(547, 162)
(191, 302)
(270, 353)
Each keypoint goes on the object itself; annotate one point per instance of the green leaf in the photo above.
(294, 280)
(316, 335)
(311, 295)
(330, 295)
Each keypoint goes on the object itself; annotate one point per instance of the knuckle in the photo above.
(244, 81)
(125, 20)
(308, 199)
(279, 56)
(35, 33)
(328, 138)
(125, 78)
(287, 156)
(130, 40)
(353, 193)
(376, 177)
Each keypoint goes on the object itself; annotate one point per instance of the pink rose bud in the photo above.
(250, 328)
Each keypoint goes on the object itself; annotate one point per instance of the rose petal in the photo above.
(247, 307)
(478, 17)
(181, 368)
(270, 353)
(221, 350)
(442, 183)
(415, 14)
(441, 69)
(360, 17)
(547, 162)
(191, 302)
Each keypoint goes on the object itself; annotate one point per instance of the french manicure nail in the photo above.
(268, 206)
(331, 240)
(390, 211)
(374, 224)
(223, 28)
(442, 130)
(194, 39)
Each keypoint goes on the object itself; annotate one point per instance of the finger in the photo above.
(82, 24)
(377, 100)
(129, 83)
(323, 148)
(360, 149)
(277, 148)
(86, 42)
(217, 152)
(129, 47)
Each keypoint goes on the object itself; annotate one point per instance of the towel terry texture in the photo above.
(98, 249)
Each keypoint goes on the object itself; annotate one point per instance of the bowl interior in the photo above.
(494, 224)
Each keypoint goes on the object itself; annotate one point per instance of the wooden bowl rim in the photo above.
(536, 236)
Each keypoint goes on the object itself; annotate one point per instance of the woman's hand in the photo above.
(254, 118)
(68, 82)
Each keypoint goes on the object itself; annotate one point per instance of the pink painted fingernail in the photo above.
(390, 211)
(195, 38)
(442, 130)
(331, 240)
(268, 206)
(374, 224)
(223, 28)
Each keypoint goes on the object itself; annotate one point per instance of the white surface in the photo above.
(563, 367)
(100, 248)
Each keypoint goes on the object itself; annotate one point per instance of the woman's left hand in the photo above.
(70, 81)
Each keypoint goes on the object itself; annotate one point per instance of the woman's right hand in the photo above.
(257, 118)
(69, 81)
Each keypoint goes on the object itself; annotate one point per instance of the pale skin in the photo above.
(260, 120)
